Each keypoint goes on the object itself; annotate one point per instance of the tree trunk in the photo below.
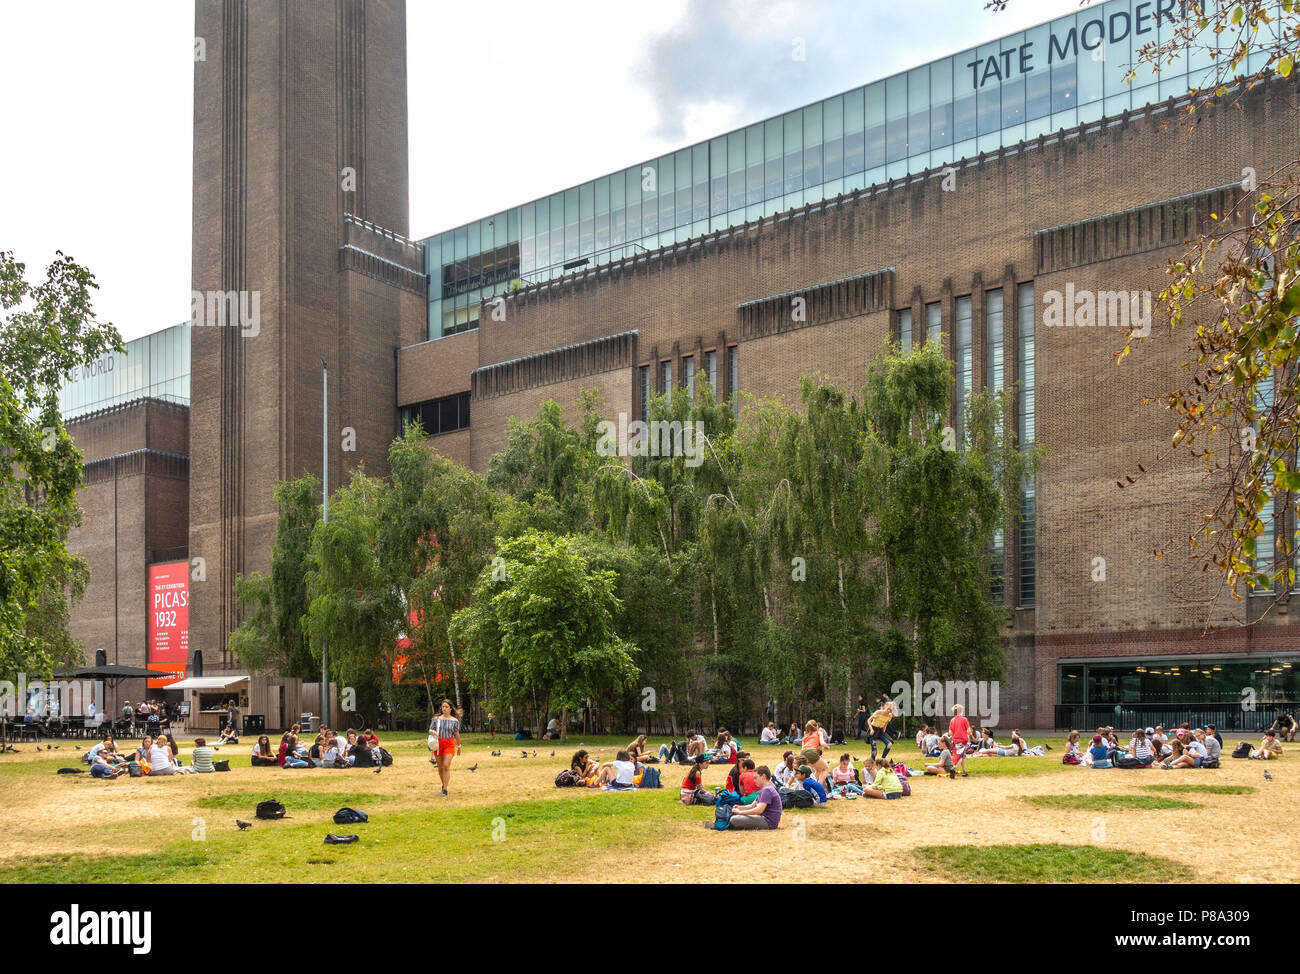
(451, 651)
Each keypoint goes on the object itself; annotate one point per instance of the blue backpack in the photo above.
(650, 778)
(721, 816)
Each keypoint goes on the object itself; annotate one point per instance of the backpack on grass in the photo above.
(796, 798)
(568, 779)
(270, 809)
(350, 816)
(650, 778)
(1242, 750)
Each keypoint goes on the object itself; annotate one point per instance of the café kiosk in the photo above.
(265, 698)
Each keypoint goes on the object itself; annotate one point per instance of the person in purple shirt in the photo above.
(765, 811)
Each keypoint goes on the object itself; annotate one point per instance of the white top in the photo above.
(159, 758)
(626, 772)
(768, 735)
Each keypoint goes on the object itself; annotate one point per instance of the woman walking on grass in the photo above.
(444, 740)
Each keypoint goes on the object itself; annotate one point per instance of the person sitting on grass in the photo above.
(1015, 749)
(228, 736)
(1071, 755)
(288, 758)
(930, 746)
(637, 751)
(1099, 753)
(201, 757)
(792, 735)
(1139, 748)
(884, 784)
(769, 735)
(784, 776)
(618, 774)
(1181, 758)
(944, 765)
(1213, 749)
(142, 752)
(736, 776)
(764, 812)
(844, 778)
(160, 757)
(804, 779)
(694, 781)
(724, 751)
(921, 732)
(1269, 748)
(362, 755)
(583, 766)
(263, 756)
(102, 767)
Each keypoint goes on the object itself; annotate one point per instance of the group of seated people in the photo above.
(156, 756)
(843, 782)
(1185, 747)
(624, 772)
(330, 749)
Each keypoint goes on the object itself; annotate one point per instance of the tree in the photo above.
(48, 330)
(273, 634)
(436, 531)
(354, 604)
(542, 621)
(936, 509)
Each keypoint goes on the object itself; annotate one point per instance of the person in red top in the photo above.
(959, 731)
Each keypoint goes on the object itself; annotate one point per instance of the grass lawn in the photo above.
(506, 822)
(1106, 803)
(1050, 864)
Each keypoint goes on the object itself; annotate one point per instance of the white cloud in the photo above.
(508, 101)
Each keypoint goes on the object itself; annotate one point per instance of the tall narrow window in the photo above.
(905, 330)
(666, 378)
(994, 331)
(963, 336)
(733, 376)
(688, 375)
(1265, 561)
(1025, 321)
(645, 389)
(933, 322)
(711, 363)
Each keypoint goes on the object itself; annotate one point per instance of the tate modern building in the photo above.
(967, 202)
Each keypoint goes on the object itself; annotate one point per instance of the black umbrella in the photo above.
(110, 673)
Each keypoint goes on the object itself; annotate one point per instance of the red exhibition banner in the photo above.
(169, 621)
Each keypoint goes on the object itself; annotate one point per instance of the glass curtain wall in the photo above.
(1051, 77)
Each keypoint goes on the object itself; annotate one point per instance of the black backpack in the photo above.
(270, 809)
(350, 816)
(568, 779)
(1242, 750)
(385, 758)
(796, 798)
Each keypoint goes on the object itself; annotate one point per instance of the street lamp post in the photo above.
(325, 517)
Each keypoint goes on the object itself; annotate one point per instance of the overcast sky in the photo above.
(96, 157)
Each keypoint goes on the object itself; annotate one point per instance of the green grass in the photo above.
(1203, 789)
(517, 842)
(1049, 864)
(291, 798)
(1106, 803)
